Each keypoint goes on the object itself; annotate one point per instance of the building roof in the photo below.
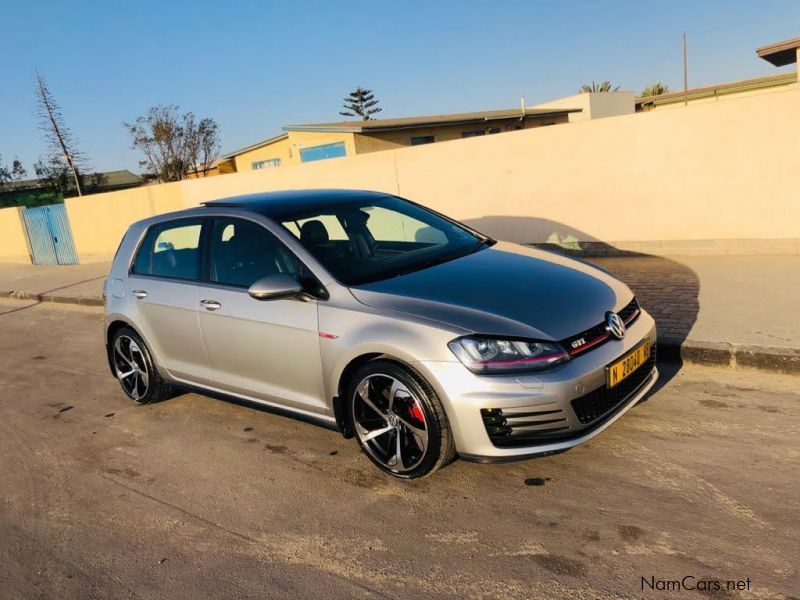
(276, 204)
(721, 89)
(780, 54)
(266, 142)
(111, 180)
(380, 125)
(119, 178)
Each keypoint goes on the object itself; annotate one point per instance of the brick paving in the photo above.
(667, 289)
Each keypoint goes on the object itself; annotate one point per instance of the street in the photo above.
(197, 497)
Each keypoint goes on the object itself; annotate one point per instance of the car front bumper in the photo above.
(544, 398)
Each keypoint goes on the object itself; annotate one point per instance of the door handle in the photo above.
(140, 294)
(210, 304)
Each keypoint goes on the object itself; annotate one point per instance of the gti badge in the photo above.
(615, 325)
(578, 343)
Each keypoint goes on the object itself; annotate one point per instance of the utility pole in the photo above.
(685, 73)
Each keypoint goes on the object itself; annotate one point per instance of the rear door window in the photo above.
(171, 250)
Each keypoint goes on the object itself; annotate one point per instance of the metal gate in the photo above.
(49, 235)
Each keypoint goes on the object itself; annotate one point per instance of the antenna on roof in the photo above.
(522, 104)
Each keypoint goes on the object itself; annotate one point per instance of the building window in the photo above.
(422, 139)
(494, 130)
(322, 152)
(266, 164)
(476, 133)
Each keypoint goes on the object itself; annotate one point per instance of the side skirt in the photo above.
(284, 411)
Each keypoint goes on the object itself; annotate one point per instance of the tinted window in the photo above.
(387, 225)
(377, 238)
(170, 250)
(330, 222)
(243, 252)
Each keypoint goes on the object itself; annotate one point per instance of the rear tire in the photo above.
(134, 368)
(398, 420)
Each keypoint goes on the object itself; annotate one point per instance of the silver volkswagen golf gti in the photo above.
(416, 335)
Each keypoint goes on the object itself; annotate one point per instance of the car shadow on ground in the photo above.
(667, 289)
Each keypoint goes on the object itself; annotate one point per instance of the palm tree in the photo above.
(588, 88)
(656, 89)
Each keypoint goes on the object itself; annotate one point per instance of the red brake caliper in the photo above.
(416, 411)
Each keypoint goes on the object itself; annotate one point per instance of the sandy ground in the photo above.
(200, 498)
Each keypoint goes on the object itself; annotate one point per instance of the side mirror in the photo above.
(276, 286)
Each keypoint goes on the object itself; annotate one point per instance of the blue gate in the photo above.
(49, 235)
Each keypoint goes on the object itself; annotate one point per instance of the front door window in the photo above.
(242, 252)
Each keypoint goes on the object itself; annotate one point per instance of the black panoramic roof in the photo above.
(274, 204)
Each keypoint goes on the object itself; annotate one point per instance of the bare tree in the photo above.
(56, 176)
(208, 132)
(203, 144)
(174, 144)
(62, 143)
(5, 174)
(14, 173)
(17, 170)
(360, 103)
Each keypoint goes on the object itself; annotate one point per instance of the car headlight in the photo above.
(489, 355)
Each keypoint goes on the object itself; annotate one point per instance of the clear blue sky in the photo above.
(254, 66)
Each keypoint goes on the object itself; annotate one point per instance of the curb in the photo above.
(723, 354)
(670, 349)
(39, 298)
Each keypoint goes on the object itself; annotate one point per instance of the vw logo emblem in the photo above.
(614, 325)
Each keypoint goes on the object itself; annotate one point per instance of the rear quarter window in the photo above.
(170, 250)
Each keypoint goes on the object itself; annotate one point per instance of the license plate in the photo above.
(625, 366)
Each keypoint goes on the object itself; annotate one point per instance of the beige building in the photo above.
(717, 92)
(779, 54)
(594, 105)
(220, 166)
(319, 141)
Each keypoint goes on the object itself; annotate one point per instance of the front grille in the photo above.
(524, 425)
(598, 403)
(629, 312)
(598, 334)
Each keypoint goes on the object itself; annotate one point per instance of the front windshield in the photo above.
(378, 238)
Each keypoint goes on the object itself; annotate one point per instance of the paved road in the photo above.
(200, 498)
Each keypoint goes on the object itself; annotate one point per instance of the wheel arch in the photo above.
(342, 415)
(111, 331)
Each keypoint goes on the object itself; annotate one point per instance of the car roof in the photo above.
(275, 204)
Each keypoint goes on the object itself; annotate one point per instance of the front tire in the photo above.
(399, 421)
(134, 368)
